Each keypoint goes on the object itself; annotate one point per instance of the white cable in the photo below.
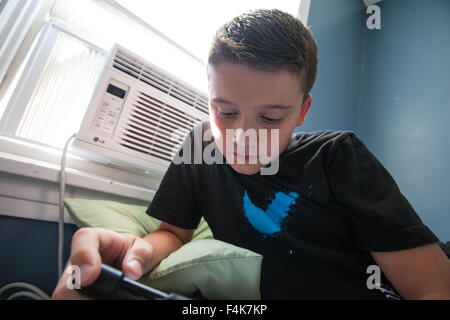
(61, 207)
(36, 292)
(24, 294)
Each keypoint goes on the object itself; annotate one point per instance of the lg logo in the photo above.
(97, 139)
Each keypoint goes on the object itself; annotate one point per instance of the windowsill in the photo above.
(31, 168)
(37, 162)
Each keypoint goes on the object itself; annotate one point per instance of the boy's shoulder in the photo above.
(322, 141)
(322, 135)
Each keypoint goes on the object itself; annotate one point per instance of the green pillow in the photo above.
(217, 269)
(120, 217)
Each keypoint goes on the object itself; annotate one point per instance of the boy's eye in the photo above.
(269, 120)
(227, 114)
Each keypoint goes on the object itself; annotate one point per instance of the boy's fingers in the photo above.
(91, 247)
(138, 259)
(85, 254)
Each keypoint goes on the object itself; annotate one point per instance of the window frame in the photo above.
(303, 11)
(16, 18)
(33, 69)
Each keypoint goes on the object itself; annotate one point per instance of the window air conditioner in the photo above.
(139, 114)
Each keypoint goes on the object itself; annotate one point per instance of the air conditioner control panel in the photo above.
(109, 108)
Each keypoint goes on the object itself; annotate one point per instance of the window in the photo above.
(54, 90)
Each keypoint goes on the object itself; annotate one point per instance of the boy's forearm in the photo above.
(163, 243)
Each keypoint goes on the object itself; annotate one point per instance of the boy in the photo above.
(326, 212)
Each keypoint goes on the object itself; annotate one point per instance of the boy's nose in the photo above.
(246, 140)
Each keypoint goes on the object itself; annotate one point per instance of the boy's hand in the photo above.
(93, 246)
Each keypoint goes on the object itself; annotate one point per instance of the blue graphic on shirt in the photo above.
(272, 219)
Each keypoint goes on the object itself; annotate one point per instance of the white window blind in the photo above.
(54, 91)
(62, 93)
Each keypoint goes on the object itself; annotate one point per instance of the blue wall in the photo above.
(404, 110)
(338, 29)
(392, 87)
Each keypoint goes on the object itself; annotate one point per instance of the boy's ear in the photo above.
(304, 110)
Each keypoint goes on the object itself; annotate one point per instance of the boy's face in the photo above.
(242, 97)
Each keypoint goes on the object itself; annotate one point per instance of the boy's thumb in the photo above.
(138, 260)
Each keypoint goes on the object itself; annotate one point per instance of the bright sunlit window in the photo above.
(192, 24)
(172, 34)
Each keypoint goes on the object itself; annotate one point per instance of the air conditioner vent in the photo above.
(154, 127)
(159, 80)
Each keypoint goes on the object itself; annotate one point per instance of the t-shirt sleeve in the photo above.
(381, 217)
(175, 201)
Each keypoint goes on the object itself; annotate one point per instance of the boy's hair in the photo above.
(270, 40)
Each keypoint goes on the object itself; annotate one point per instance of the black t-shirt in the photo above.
(314, 222)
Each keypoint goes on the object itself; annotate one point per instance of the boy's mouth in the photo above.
(245, 158)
